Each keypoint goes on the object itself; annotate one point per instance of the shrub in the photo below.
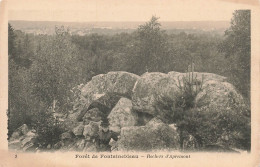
(226, 128)
(185, 117)
(189, 88)
(47, 127)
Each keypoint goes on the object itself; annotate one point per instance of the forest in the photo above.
(43, 69)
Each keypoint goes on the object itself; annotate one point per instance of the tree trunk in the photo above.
(53, 105)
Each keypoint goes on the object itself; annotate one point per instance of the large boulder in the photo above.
(122, 115)
(220, 96)
(117, 82)
(227, 113)
(104, 104)
(155, 135)
(153, 86)
(144, 92)
(120, 83)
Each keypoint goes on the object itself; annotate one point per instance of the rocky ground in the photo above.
(129, 102)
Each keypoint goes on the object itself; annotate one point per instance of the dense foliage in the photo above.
(47, 127)
(237, 48)
(46, 67)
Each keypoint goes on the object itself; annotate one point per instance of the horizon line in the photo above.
(123, 21)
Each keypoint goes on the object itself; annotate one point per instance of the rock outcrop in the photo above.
(152, 86)
(122, 115)
(130, 103)
(120, 83)
(23, 139)
(104, 104)
(78, 131)
(217, 95)
(155, 135)
(91, 130)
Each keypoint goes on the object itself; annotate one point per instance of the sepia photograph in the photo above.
(112, 78)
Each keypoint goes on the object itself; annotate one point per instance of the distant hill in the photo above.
(110, 28)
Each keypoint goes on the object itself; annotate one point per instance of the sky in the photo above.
(121, 10)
